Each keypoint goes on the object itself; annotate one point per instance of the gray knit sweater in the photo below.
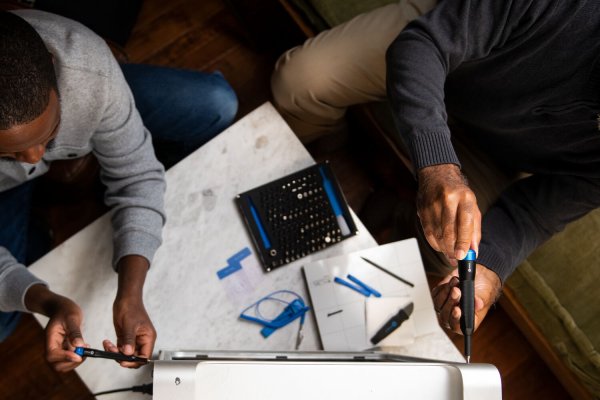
(524, 77)
(98, 115)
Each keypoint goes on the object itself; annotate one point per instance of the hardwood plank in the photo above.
(201, 46)
(154, 9)
(24, 373)
(524, 376)
(162, 32)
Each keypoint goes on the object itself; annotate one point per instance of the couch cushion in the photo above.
(558, 286)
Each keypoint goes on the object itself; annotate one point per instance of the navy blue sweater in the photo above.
(524, 77)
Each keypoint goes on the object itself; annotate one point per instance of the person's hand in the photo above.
(448, 211)
(135, 333)
(446, 297)
(63, 331)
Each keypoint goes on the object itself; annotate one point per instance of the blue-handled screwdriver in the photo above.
(466, 282)
(87, 352)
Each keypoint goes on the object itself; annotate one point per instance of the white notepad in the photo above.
(346, 330)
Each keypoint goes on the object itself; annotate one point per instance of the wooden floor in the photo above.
(207, 35)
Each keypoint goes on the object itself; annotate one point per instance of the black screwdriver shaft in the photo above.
(466, 279)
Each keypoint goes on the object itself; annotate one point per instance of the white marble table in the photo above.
(188, 304)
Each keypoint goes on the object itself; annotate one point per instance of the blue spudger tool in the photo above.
(358, 289)
(466, 282)
(393, 323)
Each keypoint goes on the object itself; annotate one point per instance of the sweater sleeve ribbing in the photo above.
(528, 213)
(430, 48)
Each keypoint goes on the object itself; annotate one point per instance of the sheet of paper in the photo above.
(346, 330)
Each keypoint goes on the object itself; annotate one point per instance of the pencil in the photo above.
(388, 272)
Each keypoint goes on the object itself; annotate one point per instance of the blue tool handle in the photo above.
(466, 267)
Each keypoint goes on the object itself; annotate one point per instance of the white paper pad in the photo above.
(347, 330)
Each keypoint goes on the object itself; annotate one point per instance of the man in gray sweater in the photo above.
(63, 96)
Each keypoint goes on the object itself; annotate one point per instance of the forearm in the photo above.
(40, 299)
(133, 327)
(529, 213)
(132, 271)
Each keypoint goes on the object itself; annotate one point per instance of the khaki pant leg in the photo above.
(487, 182)
(313, 84)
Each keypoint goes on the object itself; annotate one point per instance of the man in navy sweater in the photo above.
(523, 78)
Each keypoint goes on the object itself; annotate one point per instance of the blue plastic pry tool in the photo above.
(364, 285)
(358, 289)
(259, 225)
(335, 205)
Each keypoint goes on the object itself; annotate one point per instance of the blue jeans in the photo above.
(182, 110)
(14, 229)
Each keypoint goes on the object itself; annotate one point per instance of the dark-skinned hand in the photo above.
(448, 211)
(446, 297)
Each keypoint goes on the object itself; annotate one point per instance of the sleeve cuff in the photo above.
(491, 257)
(432, 148)
(135, 243)
(15, 283)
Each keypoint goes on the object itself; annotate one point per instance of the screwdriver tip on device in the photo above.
(468, 359)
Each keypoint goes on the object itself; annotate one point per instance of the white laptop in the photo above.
(220, 375)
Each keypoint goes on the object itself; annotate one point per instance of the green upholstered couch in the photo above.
(553, 296)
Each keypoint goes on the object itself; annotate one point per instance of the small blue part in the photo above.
(228, 270)
(79, 351)
(471, 256)
(239, 256)
(234, 263)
